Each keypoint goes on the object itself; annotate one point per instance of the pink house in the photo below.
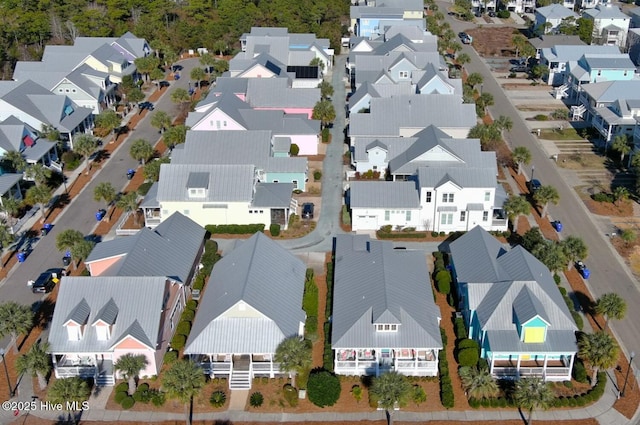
(97, 320)
(277, 94)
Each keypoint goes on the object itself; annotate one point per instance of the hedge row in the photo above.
(400, 235)
(234, 229)
(310, 305)
(446, 389)
(182, 330)
(327, 357)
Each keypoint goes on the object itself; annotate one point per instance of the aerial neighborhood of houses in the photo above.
(406, 164)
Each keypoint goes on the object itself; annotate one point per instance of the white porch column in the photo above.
(272, 373)
(573, 356)
(357, 362)
(518, 365)
(544, 367)
(491, 364)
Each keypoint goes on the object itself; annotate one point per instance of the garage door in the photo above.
(367, 222)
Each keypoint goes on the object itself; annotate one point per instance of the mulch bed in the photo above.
(622, 209)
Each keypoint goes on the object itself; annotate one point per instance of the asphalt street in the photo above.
(609, 273)
(80, 213)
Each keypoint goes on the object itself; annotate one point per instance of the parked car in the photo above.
(492, 14)
(583, 270)
(145, 105)
(519, 68)
(534, 185)
(176, 68)
(307, 210)
(46, 281)
(162, 84)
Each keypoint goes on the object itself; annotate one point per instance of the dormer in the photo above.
(386, 327)
(530, 317)
(77, 321)
(198, 185)
(105, 320)
(386, 322)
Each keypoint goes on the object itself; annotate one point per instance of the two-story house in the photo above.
(548, 18)
(610, 24)
(97, 320)
(16, 136)
(384, 317)
(439, 184)
(254, 301)
(594, 68)
(558, 57)
(513, 308)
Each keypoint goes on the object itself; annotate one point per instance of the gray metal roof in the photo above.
(7, 181)
(276, 93)
(496, 278)
(267, 278)
(557, 341)
(273, 195)
(566, 53)
(610, 91)
(108, 313)
(151, 198)
(555, 11)
(198, 180)
(79, 314)
(484, 177)
(620, 61)
(550, 40)
(383, 194)
(139, 301)
(389, 115)
(393, 145)
(605, 11)
(374, 283)
(171, 250)
(227, 84)
(227, 183)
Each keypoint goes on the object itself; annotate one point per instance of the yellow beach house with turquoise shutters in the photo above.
(513, 308)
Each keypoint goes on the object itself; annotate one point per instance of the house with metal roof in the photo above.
(218, 194)
(513, 308)
(253, 301)
(97, 320)
(17, 136)
(371, 19)
(439, 184)
(548, 18)
(558, 57)
(36, 106)
(384, 317)
(610, 24)
(228, 112)
(594, 68)
(277, 94)
(172, 249)
(547, 41)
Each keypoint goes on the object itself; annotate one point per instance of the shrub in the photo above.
(188, 316)
(563, 291)
(434, 234)
(274, 229)
(294, 150)
(503, 14)
(567, 384)
(468, 343)
(446, 395)
(443, 279)
(71, 160)
(256, 399)
(218, 398)
(120, 395)
(183, 328)
(418, 395)
(143, 189)
(460, 330)
(325, 135)
(142, 394)
(556, 278)
(170, 357)
(143, 387)
(439, 265)
(123, 386)
(178, 341)
(192, 305)
(128, 403)
(317, 175)
(356, 391)
(468, 357)
(579, 371)
(198, 283)
(602, 197)
(541, 117)
(291, 395)
(483, 364)
(234, 229)
(560, 114)
(157, 398)
(323, 388)
(578, 319)
(311, 328)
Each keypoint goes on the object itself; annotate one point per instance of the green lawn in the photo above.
(565, 134)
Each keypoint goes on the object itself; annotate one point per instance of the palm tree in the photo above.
(462, 60)
(326, 89)
(105, 191)
(66, 239)
(317, 62)
(515, 206)
(49, 132)
(519, 41)
(67, 391)
(504, 123)
(197, 75)
(161, 120)
(107, 121)
(151, 171)
(484, 101)
(478, 383)
(141, 150)
(545, 195)
(38, 173)
(129, 203)
(324, 111)
(130, 366)
(183, 381)
(521, 155)
(600, 350)
(36, 362)
(15, 319)
(293, 354)
(620, 193)
(175, 135)
(574, 249)
(81, 250)
(11, 207)
(135, 95)
(39, 195)
(180, 96)
(474, 79)
(207, 60)
(611, 306)
(85, 145)
(533, 393)
(390, 389)
(6, 237)
(622, 146)
(15, 160)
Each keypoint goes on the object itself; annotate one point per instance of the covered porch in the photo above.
(374, 361)
(548, 366)
(151, 207)
(96, 366)
(224, 365)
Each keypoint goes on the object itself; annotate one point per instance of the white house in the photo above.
(548, 18)
(610, 25)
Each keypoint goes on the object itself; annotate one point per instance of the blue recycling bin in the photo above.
(557, 225)
(177, 76)
(100, 214)
(585, 273)
(130, 173)
(22, 256)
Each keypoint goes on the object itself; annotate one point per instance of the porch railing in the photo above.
(72, 371)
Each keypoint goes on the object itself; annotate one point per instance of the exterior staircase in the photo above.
(105, 377)
(240, 380)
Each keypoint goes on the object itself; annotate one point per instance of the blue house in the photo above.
(513, 308)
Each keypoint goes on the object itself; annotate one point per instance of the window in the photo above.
(485, 215)
(295, 183)
(185, 212)
(386, 328)
(102, 332)
(276, 181)
(407, 215)
(387, 215)
(428, 197)
(599, 72)
(173, 314)
(218, 124)
(74, 332)
(224, 123)
(198, 192)
(404, 74)
(463, 215)
(446, 218)
(447, 197)
(487, 196)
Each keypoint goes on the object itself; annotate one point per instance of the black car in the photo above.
(162, 84)
(307, 210)
(492, 14)
(145, 105)
(534, 185)
(175, 68)
(519, 68)
(46, 281)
